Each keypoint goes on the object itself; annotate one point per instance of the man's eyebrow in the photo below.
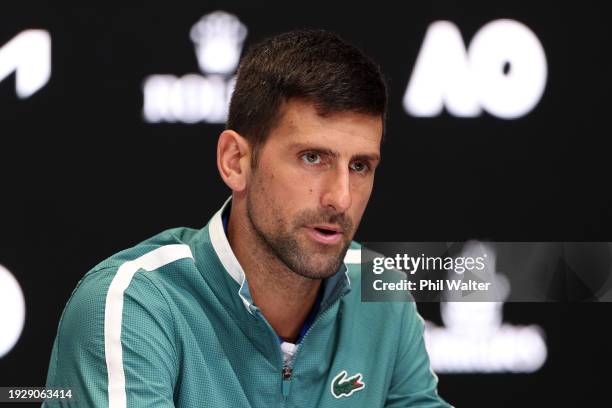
(365, 157)
(334, 153)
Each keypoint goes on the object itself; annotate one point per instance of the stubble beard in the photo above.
(281, 241)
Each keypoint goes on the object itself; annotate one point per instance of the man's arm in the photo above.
(413, 383)
(125, 358)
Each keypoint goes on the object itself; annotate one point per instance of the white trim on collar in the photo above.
(224, 251)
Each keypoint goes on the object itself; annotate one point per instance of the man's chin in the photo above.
(321, 265)
(314, 273)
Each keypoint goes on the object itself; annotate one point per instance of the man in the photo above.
(258, 309)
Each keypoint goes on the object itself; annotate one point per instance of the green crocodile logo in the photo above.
(341, 386)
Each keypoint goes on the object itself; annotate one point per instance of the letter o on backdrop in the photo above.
(12, 311)
(507, 43)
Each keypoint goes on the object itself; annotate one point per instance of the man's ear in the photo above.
(233, 159)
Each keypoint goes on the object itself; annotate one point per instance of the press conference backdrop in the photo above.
(497, 131)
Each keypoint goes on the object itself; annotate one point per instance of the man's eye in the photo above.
(311, 158)
(359, 167)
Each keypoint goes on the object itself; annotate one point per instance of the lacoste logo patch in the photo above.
(341, 386)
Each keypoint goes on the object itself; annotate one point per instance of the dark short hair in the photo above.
(315, 65)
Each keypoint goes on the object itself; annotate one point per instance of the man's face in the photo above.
(312, 183)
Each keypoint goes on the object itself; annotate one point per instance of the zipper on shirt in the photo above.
(288, 368)
(287, 371)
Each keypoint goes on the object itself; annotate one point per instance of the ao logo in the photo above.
(28, 54)
(218, 39)
(12, 311)
(503, 71)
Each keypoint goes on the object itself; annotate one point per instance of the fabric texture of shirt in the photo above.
(171, 322)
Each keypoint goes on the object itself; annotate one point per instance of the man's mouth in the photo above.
(325, 234)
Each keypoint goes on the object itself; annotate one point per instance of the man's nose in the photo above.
(337, 192)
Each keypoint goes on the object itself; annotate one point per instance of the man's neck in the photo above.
(284, 297)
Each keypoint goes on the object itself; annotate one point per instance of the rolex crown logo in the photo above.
(218, 39)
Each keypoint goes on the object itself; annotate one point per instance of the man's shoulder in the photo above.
(173, 236)
(119, 271)
(119, 276)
